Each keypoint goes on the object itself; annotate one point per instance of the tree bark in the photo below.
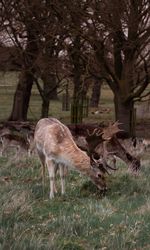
(22, 97)
(26, 78)
(96, 93)
(45, 108)
(49, 92)
(49, 85)
(124, 113)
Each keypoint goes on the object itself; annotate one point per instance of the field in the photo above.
(8, 83)
(82, 219)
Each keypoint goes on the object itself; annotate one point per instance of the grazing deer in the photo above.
(137, 146)
(16, 141)
(30, 143)
(55, 145)
(104, 142)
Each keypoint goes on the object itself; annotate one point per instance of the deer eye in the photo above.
(99, 175)
(96, 156)
(129, 157)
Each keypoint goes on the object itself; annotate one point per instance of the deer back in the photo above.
(55, 140)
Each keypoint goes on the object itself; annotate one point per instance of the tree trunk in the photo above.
(49, 92)
(22, 97)
(45, 108)
(49, 85)
(96, 92)
(26, 78)
(124, 113)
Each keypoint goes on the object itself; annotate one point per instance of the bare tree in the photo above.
(107, 40)
(119, 33)
(33, 29)
(23, 34)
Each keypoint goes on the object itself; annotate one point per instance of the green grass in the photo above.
(8, 83)
(82, 219)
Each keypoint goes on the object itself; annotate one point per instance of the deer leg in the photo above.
(42, 159)
(4, 146)
(29, 152)
(62, 177)
(65, 170)
(56, 169)
(51, 170)
(31, 149)
(1, 153)
(18, 152)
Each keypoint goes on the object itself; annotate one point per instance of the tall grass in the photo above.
(82, 219)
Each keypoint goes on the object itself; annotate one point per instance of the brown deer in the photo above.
(55, 145)
(30, 143)
(20, 142)
(137, 146)
(104, 142)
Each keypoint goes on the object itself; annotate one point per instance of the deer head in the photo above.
(105, 143)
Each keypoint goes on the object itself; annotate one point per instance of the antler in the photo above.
(102, 164)
(96, 131)
(110, 131)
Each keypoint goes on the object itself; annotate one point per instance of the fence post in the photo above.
(79, 110)
(66, 100)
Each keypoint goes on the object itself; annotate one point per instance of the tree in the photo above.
(96, 92)
(24, 35)
(119, 33)
(114, 35)
(33, 28)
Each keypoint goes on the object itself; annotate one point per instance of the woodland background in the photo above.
(80, 61)
(76, 46)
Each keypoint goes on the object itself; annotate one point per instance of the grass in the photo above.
(82, 219)
(8, 82)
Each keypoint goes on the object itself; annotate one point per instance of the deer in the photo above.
(30, 143)
(11, 140)
(104, 142)
(136, 145)
(56, 147)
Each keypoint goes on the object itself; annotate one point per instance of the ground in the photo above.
(83, 218)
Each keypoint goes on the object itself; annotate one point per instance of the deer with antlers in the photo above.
(104, 142)
(56, 147)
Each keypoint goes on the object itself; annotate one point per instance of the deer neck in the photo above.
(120, 151)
